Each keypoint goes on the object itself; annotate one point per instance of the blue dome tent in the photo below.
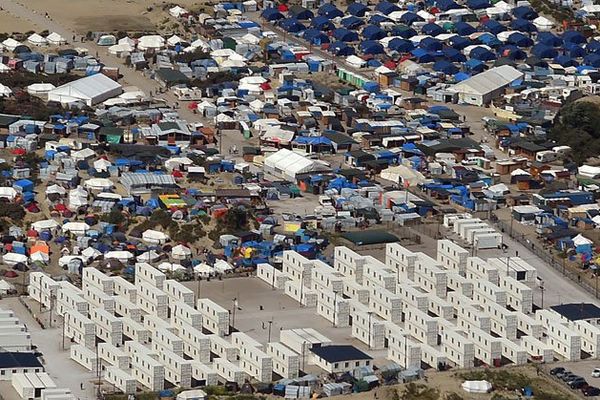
(301, 13)
(524, 12)
(422, 56)
(512, 52)
(405, 33)
(464, 29)
(565, 61)
(519, 39)
(454, 55)
(357, 9)
(543, 51)
(549, 39)
(292, 25)
(372, 32)
(446, 5)
(432, 29)
(478, 4)
(445, 67)
(330, 11)
(322, 23)
(315, 36)
(573, 37)
(410, 18)
(271, 14)
(593, 47)
(352, 22)
(401, 45)
(459, 42)
(341, 49)
(577, 52)
(522, 25)
(386, 7)
(378, 19)
(482, 54)
(592, 59)
(493, 26)
(431, 44)
(345, 35)
(371, 47)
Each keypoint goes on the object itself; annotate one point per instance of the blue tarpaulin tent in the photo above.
(322, 23)
(445, 67)
(422, 56)
(577, 52)
(543, 51)
(446, 5)
(292, 25)
(372, 32)
(357, 9)
(482, 54)
(565, 61)
(431, 44)
(478, 4)
(341, 49)
(378, 19)
(459, 42)
(400, 45)
(432, 29)
(464, 29)
(522, 25)
(352, 22)
(330, 11)
(461, 76)
(519, 39)
(454, 55)
(404, 33)
(301, 13)
(593, 46)
(272, 14)
(549, 39)
(386, 7)
(512, 52)
(409, 18)
(315, 36)
(475, 65)
(345, 35)
(592, 59)
(493, 26)
(371, 47)
(573, 37)
(524, 12)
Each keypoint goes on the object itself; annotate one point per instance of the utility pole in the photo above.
(542, 288)
(235, 303)
(334, 306)
(370, 313)
(270, 323)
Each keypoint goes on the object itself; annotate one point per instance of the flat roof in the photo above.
(370, 237)
(340, 353)
(19, 360)
(577, 311)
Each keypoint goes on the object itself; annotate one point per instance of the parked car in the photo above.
(577, 383)
(560, 375)
(596, 373)
(567, 376)
(558, 370)
(590, 391)
(572, 378)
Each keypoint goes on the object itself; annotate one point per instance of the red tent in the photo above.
(18, 151)
(10, 274)
(32, 208)
(60, 207)
(177, 174)
(282, 8)
(265, 86)
(193, 105)
(8, 247)
(32, 233)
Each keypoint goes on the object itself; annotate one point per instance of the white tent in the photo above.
(40, 256)
(118, 49)
(11, 44)
(14, 258)
(83, 154)
(170, 267)
(204, 270)
(581, 240)
(5, 91)
(44, 225)
(98, 183)
(176, 162)
(39, 89)
(90, 90)
(154, 237)
(91, 253)
(402, 174)
(56, 189)
(223, 267)
(151, 42)
(289, 164)
(148, 256)
(177, 11)
(6, 287)
(128, 40)
(66, 260)
(4, 68)
(543, 24)
(102, 165)
(181, 252)
(8, 193)
(37, 40)
(76, 228)
(77, 198)
(55, 39)
(174, 40)
(120, 255)
(476, 386)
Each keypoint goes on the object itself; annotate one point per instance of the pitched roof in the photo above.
(489, 80)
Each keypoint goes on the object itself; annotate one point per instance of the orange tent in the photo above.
(39, 246)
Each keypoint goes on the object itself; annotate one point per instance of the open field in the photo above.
(10, 24)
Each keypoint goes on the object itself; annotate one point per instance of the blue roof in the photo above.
(459, 42)
(403, 33)
(372, 32)
(573, 37)
(410, 17)
(512, 52)
(463, 29)
(330, 11)
(520, 40)
(315, 36)
(565, 61)
(292, 25)
(446, 67)
(454, 55)
(312, 140)
(461, 76)
(549, 39)
(592, 59)
(523, 25)
(543, 51)
(271, 14)
(341, 49)
(345, 35)
(301, 13)
(357, 9)
(446, 5)
(352, 22)
(386, 7)
(377, 19)
(401, 45)
(524, 12)
(432, 29)
(431, 44)
(323, 23)
(493, 26)
(483, 54)
(593, 46)
(478, 4)
(371, 47)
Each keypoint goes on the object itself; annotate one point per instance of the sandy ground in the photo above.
(10, 24)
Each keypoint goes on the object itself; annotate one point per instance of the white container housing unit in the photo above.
(120, 379)
(68, 299)
(135, 331)
(402, 349)
(458, 348)
(488, 349)
(31, 384)
(114, 356)
(430, 276)
(90, 276)
(164, 339)
(412, 296)
(537, 350)
(286, 362)
(178, 293)
(97, 298)
(85, 357)
(401, 260)
(386, 304)
(80, 329)
(348, 263)
(203, 374)
(146, 370)
(460, 284)
(196, 344)
(108, 327)
(302, 294)
(421, 326)
(297, 267)
(152, 300)
(42, 288)
(125, 308)
(229, 371)
(519, 296)
(368, 329)
(271, 275)
(124, 288)
(223, 348)
(333, 307)
(178, 371)
(145, 272)
(452, 257)
(355, 291)
(214, 317)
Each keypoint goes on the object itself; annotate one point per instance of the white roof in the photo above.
(181, 251)
(14, 258)
(40, 256)
(581, 240)
(5, 286)
(90, 253)
(170, 267)
(8, 193)
(38, 87)
(5, 90)
(120, 48)
(102, 164)
(75, 227)
(148, 256)
(355, 60)
(292, 164)
(154, 235)
(11, 44)
(543, 22)
(98, 183)
(83, 154)
(44, 224)
(223, 266)
(204, 269)
(518, 172)
(88, 88)
(4, 68)
(119, 255)
(477, 386)
(151, 42)
(37, 39)
(174, 40)
(55, 38)
(489, 80)
(588, 170)
(177, 11)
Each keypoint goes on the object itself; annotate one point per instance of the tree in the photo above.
(12, 211)
(578, 125)
(115, 217)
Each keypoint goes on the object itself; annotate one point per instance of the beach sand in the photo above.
(10, 24)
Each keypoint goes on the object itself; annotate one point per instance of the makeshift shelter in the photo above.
(151, 236)
(151, 42)
(477, 386)
(181, 252)
(90, 90)
(37, 40)
(76, 228)
(289, 165)
(55, 39)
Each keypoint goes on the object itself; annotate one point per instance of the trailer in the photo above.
(30, 385)
(401, 260)
(121, 380)
(145, 272)
(90, 276)
(272, 276)
(214, 317)
(108, 327)
(286, 362)
(177, 293)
